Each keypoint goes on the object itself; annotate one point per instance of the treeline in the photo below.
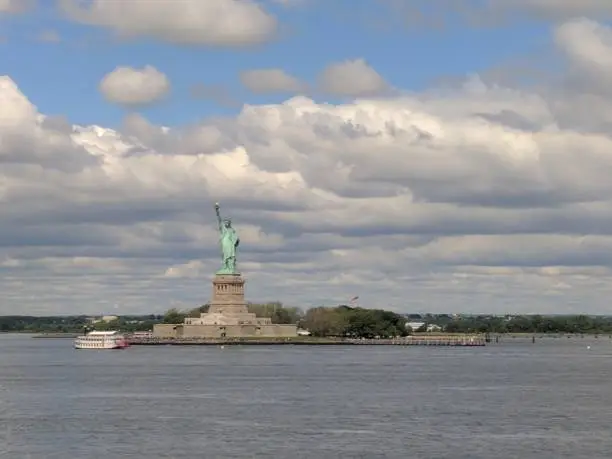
(42, 324)
(328, 321)
(74, 324)
(346, 321)
(530, 324)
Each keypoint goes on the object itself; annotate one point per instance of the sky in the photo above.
(426, 156)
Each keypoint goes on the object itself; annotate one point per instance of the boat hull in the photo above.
(101, 341)
(107, 347)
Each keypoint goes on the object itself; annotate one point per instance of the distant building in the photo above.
(97, 320)
(414, 326)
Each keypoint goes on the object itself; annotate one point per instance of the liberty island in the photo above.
(228, 315)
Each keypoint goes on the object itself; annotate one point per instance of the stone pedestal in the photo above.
(228, 295)
(227, 306)
(227, 317)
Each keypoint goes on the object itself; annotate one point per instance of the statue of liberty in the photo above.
(229, 240)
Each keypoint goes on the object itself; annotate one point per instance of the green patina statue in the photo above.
(229, 240)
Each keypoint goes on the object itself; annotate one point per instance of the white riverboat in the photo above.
(101, 340)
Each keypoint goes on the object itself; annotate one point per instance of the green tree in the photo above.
(276, 311)
(354, 322)
(195, 312)
(323, 321)
(174, 316)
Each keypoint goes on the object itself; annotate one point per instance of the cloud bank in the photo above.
(424, 13)
(16, 6)
(232, 23)
(479, 198)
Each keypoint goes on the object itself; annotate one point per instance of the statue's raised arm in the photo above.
(219, 220)
(229, 240)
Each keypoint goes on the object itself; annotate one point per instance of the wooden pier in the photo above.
(456, 341)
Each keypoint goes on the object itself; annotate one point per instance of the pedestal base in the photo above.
(228, 316)
(224, 331)
(215, 318)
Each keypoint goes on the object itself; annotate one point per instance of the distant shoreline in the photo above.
(56, 335)
(42, 335)
(549, 335)
(493, 336)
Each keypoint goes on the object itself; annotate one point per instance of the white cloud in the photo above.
(191, 269)
(587, 44)
(186, 22)
(16, 6)
(289, 2)
(132, 86)
(28, 141)
(421, 13)
(555, 9)
(352, 78)
(264, 81)
(480, 198)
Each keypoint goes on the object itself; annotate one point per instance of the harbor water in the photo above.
(510, 400)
